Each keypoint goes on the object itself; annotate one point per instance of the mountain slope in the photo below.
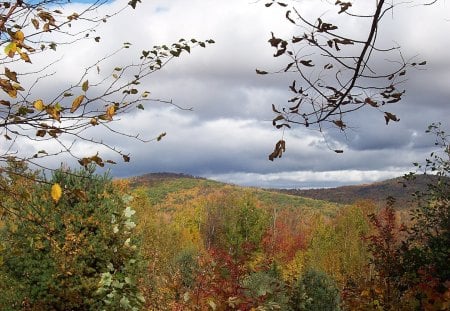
(398, 188)
(163, 187)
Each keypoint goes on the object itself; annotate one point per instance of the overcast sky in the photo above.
(229, 134)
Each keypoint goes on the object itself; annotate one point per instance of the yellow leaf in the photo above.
(11, 49)
(39, 105)
(19, 36)
(85, 86)
(110, 112)
(56, 192)
(76, 103)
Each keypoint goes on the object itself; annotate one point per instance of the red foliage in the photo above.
(284, 240)
(219, 281)
(384, 246)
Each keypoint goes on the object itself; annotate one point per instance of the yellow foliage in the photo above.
(294, 268)
(39, 105)
(56, 192)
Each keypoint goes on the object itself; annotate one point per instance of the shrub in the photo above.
(315, 291)
(75, 252)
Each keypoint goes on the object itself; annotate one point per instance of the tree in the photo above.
(31, 30)
(337, 73)
(384, 246)
(426, 251)
(75, 252)
(315, 290)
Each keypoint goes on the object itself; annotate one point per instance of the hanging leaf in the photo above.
(76, 103)
(307, 63)
(12, 75)
(39, 105)
(54, 113)
(85, 86)
(35, 23)
(110, 112)
(277, 118)
(19, 36)
(11, 49)
(41, 133)
(261, 72)
(280, 147)
(288, 66)
(56, 192)
(340, 124)
(390, 116)
(274, 109)
(161, 136)
(371, 102)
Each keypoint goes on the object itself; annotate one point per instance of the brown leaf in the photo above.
(389, 116)
(261, 72)
(277, 118)
(280, 147)
(161, 136)
(41, 133)
(12, 75)
(76, 103)
(307, 63)
(340, 124)
(35, 23)
(371, 102)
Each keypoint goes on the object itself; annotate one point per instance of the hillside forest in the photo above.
(168, 242)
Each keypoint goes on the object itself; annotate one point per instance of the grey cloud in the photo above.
(229, 134)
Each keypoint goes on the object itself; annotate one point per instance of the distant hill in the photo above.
(152, 178)
(163, 187)
(398, 188)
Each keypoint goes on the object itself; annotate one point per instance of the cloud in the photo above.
(229, 135)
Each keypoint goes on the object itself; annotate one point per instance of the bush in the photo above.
(315, 291)
(75, 252)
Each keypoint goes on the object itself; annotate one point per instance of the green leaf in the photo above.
(85, 86)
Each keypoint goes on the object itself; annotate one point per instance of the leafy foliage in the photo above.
(77, 252)
(426, 252)
(315, 291)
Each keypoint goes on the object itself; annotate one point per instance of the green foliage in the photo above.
(187, 264)
(426, 252)
(315, 291)
(268, 289)
(234, 223)
(337, 245)
(78, 253)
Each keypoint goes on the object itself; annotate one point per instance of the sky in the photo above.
(228, 135)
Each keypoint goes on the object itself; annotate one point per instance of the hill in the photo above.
(163, 187)
(398, 188)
